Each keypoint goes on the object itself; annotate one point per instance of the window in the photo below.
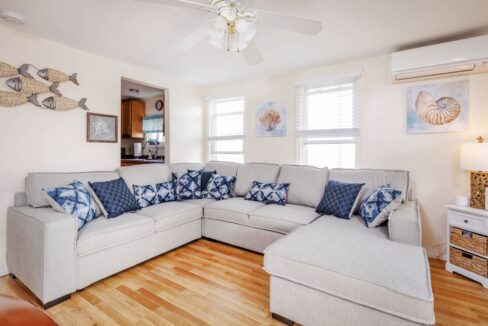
(226, 129)
(328, 122)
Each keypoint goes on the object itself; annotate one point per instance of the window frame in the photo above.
(211, 116)
(303, 133)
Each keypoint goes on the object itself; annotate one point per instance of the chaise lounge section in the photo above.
(324, 270)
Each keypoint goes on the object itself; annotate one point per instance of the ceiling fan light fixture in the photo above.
(247, 30)
(216, 27)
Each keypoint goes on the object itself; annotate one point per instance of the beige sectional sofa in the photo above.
(324, 270)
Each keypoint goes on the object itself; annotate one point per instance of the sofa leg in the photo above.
(56, 301)
(282, 319)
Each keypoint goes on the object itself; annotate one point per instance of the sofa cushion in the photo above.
(247, 173)
(372, 179)
(307, 183)
(102, 233)
(339, 199)
(74, 199)
(222, 168)
(282, 219)
(115, 197)
(145, 174)
(342, 259)
(181, 168)
(201, 202)
(376, 208)
(172, 214)
(35, 182)
(235, 210)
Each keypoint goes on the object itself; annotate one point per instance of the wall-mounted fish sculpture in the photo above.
(31, 86)
(11, 99)
(63, 103)
(56, 76)
(7, 70)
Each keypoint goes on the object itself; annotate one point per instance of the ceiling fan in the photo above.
(235, 26)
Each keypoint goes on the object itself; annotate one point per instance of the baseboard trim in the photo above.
(4, 270)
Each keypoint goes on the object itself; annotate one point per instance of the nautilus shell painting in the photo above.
(440, 107)
(271, 119)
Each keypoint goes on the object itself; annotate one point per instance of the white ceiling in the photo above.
(144, 91)
(142, 33)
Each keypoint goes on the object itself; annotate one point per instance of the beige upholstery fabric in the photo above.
(404, 224)
(180, 168)
(249, 172)
(235, 210)
(99, 265)
(34, 183)
(200, 202)
(358, 266)
(282, 219)
(102, 233)
(145, 174)
(311, 307)
(239, 235)
(41, 246)
(222, 168)
(372, 180)
(171, 214)
(307, 184)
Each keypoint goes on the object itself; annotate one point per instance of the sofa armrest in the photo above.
(41, 250)
(404, 224)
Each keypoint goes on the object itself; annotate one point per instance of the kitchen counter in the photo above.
(137, 161)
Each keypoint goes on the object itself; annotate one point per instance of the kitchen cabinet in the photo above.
(132, 113)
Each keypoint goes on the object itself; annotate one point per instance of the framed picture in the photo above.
(101, 128)
(436, 108)
(271, 119)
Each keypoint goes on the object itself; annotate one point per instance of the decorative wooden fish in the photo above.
(11, 99)
(7, 70)
(56, 76)
(63, 103)
(32, 86)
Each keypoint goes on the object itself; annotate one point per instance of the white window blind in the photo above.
(328, 122)
(226, 129)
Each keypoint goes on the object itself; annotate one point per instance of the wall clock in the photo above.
(159, 105)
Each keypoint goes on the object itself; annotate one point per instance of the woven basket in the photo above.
(475, 242)
(472, 263)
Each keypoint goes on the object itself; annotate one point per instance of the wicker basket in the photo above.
(469, 240)
(473, 263)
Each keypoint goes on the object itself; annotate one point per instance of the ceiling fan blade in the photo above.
(289, 23)
(190, 40)
(251, 54)
(193, 4)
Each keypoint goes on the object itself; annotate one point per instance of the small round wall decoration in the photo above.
(159, 105)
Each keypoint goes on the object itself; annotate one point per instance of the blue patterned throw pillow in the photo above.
(377, 207)
(115, 197)
(339, 199)
(206, 175)
(188, 185)
(220, 187)
(73, 199)
(269, 193)
(154, 194)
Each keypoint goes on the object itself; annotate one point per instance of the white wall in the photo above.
(432, 159)
(33, 139)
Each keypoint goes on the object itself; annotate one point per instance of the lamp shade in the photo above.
(474, 156)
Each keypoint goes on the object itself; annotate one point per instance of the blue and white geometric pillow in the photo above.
(378, 206)
(188, 185)
(154, 194)
(220, 187)
(74, 199)
(339, 199)
(256, 192)
(269, 193)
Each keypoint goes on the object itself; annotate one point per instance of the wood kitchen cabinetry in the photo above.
(132, 113)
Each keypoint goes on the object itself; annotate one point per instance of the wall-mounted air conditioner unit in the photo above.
(455, 58)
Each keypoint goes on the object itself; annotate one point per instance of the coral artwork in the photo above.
(271, 119)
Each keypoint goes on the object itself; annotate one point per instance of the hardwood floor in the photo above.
(207, 283)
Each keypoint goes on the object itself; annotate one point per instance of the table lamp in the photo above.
(474, 158)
